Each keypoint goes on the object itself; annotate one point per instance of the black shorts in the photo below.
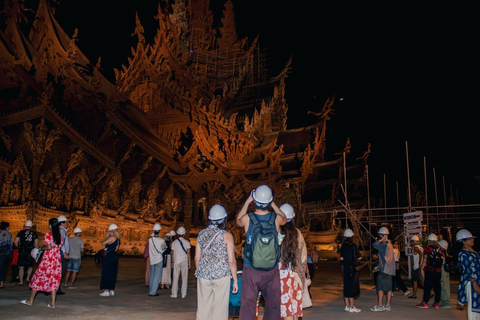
(417, 275)
(25, 260)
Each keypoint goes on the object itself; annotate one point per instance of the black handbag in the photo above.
(100, 255)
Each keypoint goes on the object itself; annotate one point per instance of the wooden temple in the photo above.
(193, 119)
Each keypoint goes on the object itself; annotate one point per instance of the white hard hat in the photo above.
(463, 234)
(181, 231)
(172, 233)
(77, 230)
(113, 226)
(28, 223)
(262, 195)
(34, 252)
(383, 230)
(348, 233)
(288, 210)
(443, 244)
(414, 238)
(62, 219)
(217, 212)
(432, 237)
(157, 227)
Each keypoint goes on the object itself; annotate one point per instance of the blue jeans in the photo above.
(154, 277)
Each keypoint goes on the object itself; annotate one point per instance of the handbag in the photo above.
(306, 301)
(100, 255)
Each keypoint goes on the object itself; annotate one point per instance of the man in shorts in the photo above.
(74, 257)
(25, 241)
(416, 263)
(386, 272)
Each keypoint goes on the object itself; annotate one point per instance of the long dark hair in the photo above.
(289, 245)
(57, 238)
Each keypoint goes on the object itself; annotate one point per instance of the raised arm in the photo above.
(281, 218)
(242, 217)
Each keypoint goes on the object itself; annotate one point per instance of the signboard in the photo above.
(413, 228)
(408, 251)
(410, 217)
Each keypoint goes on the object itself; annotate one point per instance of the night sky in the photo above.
(405, 74)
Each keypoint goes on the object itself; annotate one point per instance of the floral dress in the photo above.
(469, 262)
(48, 275)
(292, 283)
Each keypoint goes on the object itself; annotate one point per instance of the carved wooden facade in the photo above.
(193, 119)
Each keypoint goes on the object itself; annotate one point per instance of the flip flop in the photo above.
(25, 303)
(48, 305)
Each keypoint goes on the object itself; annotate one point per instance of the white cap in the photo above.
(28, 223)
(113, 226)
(157, 227)
(77, 230)
(62, 219)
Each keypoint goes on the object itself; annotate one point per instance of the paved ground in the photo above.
(131, 300)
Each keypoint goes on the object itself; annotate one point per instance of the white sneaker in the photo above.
(406, 293)
(387, 308)
(347, 309)
(105, 294)
(376, 309)
(112, 293)
(354, 310)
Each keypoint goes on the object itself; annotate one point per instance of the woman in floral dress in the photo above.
(293, 266)
(48, 274)
(469, 264)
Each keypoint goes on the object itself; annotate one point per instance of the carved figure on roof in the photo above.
(366, 153)
(345, 150)
(75, 159)
(326, 110)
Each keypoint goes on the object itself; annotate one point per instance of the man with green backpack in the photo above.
(261, 254)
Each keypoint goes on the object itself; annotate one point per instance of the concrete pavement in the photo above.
(131, 300)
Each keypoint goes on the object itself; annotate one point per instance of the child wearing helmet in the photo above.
(469, 264)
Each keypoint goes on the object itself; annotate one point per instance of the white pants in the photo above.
(212, 299)
(180, 268)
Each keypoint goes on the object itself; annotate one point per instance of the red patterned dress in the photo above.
(48, 275)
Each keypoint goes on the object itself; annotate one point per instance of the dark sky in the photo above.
(405, 74)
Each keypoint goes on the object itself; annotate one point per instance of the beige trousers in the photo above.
(212, 299)
(180, 269)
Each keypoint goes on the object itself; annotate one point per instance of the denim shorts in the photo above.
(74, 264)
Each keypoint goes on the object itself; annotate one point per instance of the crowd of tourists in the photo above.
(277, 267)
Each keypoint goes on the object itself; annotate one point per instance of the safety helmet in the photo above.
(172, 233)
(443, 244)
(262, 195)
(33, 253)
(113, 226)
(62, 219)
(414, 238)
(463, 234)
(157, 227)
(217, 212)
(77, 230)
(383, 230)
(288, 210)
(432, 237)
(348, 233)
(181, 231)
(28, 223)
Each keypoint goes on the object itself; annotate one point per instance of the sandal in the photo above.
(25, 303)
(50, 306)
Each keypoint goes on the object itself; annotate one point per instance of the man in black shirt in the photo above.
(25, 241)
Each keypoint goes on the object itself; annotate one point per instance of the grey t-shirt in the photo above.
(76, 245)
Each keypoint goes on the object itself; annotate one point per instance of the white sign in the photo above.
(408, 251)
(410, 217)
(413, 228)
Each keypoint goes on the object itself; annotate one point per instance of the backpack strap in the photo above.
(253, 218)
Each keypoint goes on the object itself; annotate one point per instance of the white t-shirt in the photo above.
(178, 254)
(416, 257)
(160, 245)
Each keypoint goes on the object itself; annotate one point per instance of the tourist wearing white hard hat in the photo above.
(167, 272)
(25, 241)
(108, 280)
(255, 280)
(215, 265)
(445, 280)
(62, 221)
(6, 249)
(181, 263)
(433, 260)
(349, 256)
(386, 266)
(76, 249)
(293, 268)
(415, 264)
(48, 275)
(469, 284)
(156, 247)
